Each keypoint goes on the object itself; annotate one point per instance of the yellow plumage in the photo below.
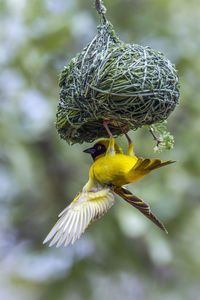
(110, 171)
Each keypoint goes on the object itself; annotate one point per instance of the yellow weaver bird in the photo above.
(111, 170)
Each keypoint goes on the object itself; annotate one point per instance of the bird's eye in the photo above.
(99, 147)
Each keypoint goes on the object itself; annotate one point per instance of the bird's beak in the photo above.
(89, 150)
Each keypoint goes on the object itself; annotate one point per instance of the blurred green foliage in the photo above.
(123, 255)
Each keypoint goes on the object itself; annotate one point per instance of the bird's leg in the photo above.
(111, 145)
(105, 124)
(130, 151)
(158, 141)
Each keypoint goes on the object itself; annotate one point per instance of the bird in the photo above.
(109, 174)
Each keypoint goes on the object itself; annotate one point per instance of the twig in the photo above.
(158, 141)
(100, 8)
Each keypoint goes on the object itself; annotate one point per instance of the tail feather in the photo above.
(157, 163)
(144, 166)
(143, 207)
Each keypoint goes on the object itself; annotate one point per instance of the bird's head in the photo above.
(99, 149)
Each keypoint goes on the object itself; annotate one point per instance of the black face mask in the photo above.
(96, 150)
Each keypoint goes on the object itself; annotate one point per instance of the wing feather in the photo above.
(75, 218)
(82, 223)
(62, 239)
(61, 233)
(76, 228)
(71, 227)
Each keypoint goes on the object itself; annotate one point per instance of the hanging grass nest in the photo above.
(111, 80)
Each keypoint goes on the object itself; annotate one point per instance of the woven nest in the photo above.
(110, 80)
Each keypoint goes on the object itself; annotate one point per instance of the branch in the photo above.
(101, 9)
(158, 141)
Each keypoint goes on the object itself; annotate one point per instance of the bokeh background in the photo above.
(123, 255)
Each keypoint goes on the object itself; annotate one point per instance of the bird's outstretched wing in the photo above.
(143, 207)
(75, 218)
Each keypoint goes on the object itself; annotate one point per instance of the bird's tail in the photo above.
(139, 204)
(144, 166)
